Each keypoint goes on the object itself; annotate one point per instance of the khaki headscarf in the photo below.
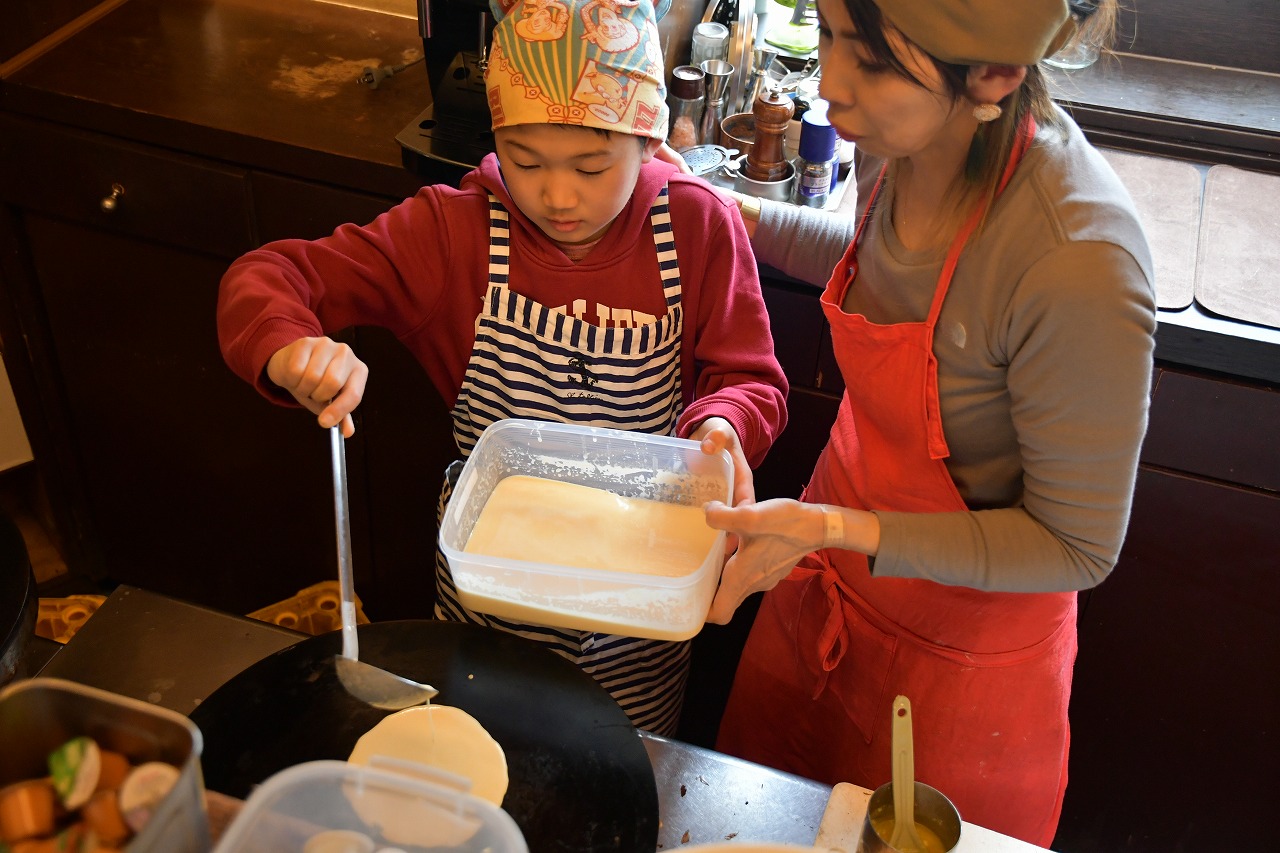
(594, 63)
(974, 32)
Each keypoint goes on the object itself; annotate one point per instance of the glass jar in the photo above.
(686, 98)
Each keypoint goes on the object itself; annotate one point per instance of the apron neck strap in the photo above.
(1026, 133)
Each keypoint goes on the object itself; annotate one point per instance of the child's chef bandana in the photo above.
(594, 63)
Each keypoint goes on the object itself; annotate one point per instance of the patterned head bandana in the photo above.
(593, 63)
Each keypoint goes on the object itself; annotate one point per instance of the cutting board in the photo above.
(847, 808)
(842, 819)
(1167, 195)
(1240, 246)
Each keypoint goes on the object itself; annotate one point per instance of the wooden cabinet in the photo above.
(1175, 701)
(800, 341)
(404, 436)
(173, 474)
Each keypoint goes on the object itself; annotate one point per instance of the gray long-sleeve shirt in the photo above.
(1044, 349)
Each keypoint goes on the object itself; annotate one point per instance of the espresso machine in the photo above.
(452, 135)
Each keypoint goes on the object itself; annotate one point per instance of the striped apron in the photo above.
(531, 361)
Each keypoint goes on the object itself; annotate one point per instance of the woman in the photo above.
(993, 318)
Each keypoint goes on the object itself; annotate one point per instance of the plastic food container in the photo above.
(629, 464)
(330, 806)
(40, 714)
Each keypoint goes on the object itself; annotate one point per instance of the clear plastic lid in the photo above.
(310, 805)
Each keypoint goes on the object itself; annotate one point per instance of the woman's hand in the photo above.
(718, 434)
(670, 155)
(773, 535)
(324, 376)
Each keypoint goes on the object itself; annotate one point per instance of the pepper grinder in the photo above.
(766, 161)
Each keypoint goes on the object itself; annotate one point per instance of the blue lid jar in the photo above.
(817, 137)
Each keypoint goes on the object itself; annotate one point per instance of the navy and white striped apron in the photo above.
(531, 361)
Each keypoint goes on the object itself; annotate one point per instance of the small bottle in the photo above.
(686, 98)
(816, 165)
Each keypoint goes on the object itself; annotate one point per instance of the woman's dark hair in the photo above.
(994, 141)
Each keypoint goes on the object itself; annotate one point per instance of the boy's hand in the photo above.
(324, 376)
(718, 434)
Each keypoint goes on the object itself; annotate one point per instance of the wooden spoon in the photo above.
(905, 838)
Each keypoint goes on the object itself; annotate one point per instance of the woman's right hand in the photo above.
(772, 537)
(324, 376)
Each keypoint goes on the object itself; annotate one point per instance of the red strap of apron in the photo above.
(833, 638)
(1026, 133)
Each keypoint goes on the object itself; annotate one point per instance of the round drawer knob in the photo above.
(110, 202)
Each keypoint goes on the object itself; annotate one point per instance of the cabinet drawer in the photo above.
(1214, 428)
(287, 208)
(163, 197)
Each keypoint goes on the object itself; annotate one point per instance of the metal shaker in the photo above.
(719, 74)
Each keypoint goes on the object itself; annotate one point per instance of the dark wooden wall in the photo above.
(1235, 33)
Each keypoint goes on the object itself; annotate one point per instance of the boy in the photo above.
(546, 286)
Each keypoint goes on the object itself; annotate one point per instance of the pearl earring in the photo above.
(987, 112)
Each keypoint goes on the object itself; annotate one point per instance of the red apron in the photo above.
(988, 674)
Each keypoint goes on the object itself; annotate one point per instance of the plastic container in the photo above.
(40, 714)
(322, 806)
(630, 464)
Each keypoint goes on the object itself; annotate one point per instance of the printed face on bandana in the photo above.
(572, 182)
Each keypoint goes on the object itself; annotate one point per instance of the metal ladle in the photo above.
(905, 838)
(364, 681)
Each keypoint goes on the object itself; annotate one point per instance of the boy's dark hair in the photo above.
(606, 133)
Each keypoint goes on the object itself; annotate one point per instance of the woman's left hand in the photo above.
(670, 155)
(772, 537)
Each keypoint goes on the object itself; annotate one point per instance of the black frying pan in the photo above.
(580, 776)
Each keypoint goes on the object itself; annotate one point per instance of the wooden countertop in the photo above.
(270, 85)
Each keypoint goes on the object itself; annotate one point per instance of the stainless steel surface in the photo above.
(779, 190)
(708, 159)
(707, 797)
(164, 651)
(718, 74)
(173, 654)
(366, 682)
(931, 809)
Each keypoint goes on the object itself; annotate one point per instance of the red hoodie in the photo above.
(421, 270)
